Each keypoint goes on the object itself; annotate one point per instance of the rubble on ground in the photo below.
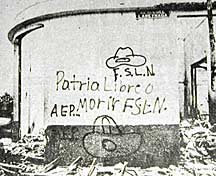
(198, 157)
(28, 147)
(25, 155)
(198, 152)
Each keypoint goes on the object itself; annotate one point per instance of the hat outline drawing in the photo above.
(125, 56)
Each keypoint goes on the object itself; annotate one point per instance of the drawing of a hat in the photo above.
(125, 56)
(109, 141)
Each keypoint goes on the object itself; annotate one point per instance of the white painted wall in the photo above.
(80, 46)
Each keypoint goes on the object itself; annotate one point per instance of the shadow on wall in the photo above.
(143, 146)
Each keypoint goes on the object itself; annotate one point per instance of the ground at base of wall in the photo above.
(198, 157)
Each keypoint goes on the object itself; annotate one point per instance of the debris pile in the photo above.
(52, 169)
(25, 155)
(198, 151)
(29, 147)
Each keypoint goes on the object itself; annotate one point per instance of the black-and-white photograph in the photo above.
(108, 87)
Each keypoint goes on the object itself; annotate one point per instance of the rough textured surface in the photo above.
(158, 145)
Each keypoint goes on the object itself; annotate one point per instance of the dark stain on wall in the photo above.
(159, 145)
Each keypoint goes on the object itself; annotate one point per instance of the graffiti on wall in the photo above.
(129, 93)
(107, 139)
(125, 57)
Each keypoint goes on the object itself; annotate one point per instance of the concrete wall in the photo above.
(105, 69)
